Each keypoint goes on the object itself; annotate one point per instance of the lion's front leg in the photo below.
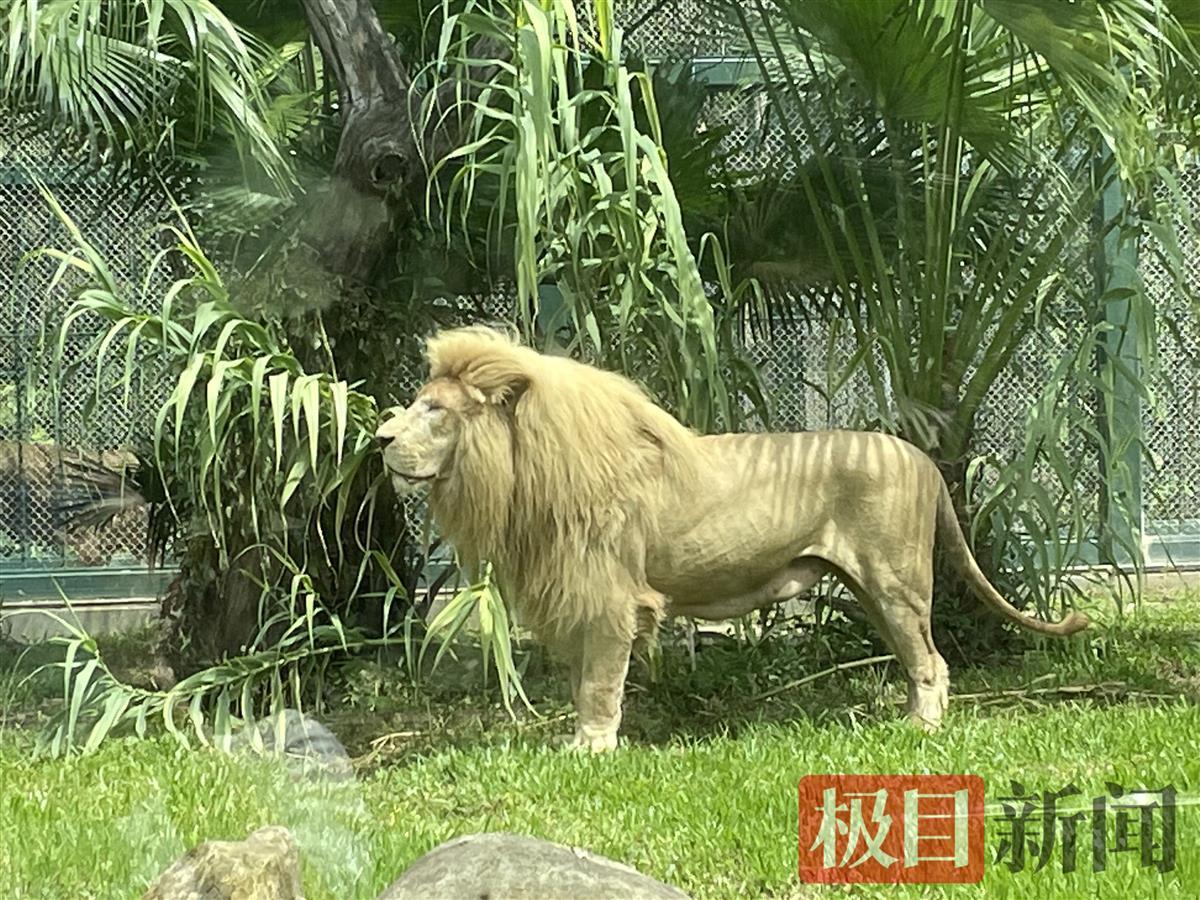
(599, 664)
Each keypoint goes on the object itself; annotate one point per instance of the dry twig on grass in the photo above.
(816, 676)
(1103, 687)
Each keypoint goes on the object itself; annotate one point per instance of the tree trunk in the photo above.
(350, 226)
(379, 156)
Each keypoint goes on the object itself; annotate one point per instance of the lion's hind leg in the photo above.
(929, 693)
(902, 617)
(927, 673)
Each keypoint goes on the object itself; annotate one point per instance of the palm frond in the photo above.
(951, 184)
(94, 493)
(137, 76)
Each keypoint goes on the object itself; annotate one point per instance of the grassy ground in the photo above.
(703, 796)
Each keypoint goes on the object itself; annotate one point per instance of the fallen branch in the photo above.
(816, 676)
(378, 744)
(541, 723)
(1115, 687)
(396, 735)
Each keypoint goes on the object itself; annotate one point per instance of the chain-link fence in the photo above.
(1172, 422)
(41, 427)
(45, 425)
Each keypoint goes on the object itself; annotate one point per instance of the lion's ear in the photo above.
(498, 370)
(509, 392)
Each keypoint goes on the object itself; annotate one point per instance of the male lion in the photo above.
(601, 513)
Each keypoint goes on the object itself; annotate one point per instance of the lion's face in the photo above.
(419, 442)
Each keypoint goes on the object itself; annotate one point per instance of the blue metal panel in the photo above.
(1116, 281)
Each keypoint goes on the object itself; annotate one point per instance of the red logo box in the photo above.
(891, 829)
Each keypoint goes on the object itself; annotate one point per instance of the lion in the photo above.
(601, 514)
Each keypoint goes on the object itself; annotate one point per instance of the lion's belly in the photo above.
(746, 521)
(692, 572)
(771, 500)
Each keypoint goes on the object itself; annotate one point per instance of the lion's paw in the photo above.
(929, 726)
(596, 743)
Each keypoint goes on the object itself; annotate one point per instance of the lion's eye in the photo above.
(433, 406)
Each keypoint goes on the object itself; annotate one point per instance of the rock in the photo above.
(265, 866)
(502, 866)
(309, 748)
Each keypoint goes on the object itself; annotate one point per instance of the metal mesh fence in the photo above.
(1171, 481)
(676, 29)
(756, 140)
(45, 424)
(39, 427)
(801, 365)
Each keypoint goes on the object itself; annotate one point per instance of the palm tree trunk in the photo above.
(383, 137)
(376, 148)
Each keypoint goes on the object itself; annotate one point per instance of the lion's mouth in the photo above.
(411, 478)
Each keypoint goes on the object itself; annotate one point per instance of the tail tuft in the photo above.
(1073, 623)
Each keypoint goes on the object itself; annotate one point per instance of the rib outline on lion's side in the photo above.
(601, 513)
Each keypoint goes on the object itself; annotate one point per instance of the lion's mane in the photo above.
(558, 481)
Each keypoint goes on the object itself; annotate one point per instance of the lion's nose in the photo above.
(384, 440)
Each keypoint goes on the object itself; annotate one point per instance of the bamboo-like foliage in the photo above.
(306, 432)
(566, 148)
(211, 706)
(950, 185)
(273, 473)
(495, 630)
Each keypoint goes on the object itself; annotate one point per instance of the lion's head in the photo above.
(551, 469)
(476, 376)
(419, 441)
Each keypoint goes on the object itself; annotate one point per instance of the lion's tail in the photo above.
(956, 544)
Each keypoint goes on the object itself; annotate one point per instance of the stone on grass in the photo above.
(502, 866)
(265, 866)
(309, 749)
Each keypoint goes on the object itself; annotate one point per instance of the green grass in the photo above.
(703, 796)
